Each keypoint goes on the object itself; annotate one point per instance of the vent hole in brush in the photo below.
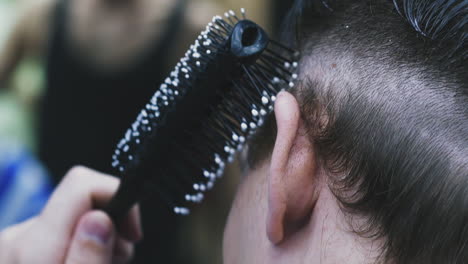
(249, 37)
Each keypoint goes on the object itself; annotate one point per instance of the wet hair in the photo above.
(385, 100)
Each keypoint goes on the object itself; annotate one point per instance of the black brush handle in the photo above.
(127, 195)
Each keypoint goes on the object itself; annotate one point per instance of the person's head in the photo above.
(367, 162)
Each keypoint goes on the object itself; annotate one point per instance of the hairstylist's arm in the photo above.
(69, 230)
(28, 35)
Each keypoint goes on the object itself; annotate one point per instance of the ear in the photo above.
(292, 183)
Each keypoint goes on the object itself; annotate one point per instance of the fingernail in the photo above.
(281, 94)
(97, 227)
(139, 233)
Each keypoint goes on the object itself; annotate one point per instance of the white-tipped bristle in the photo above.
(209, 185)
(200, 195)
(244, 127)
(181, 210)
(202, 187)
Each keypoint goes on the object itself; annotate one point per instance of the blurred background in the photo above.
(68, 67)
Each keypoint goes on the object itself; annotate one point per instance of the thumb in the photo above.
(93, 240)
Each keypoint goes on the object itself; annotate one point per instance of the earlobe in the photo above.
(293, 172)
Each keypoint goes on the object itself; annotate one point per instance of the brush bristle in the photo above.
(198, 153)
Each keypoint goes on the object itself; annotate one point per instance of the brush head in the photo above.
(213, 101)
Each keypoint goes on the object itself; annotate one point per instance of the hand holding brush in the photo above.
(70, 230)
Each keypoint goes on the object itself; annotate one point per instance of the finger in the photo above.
(93, 240)
(9, 243)
(130, 227)
(81, 190)
(15, 230)
(123, 251)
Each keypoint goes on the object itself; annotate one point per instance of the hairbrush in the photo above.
(204, 112)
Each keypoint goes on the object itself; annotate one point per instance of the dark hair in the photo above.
(384, 96)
